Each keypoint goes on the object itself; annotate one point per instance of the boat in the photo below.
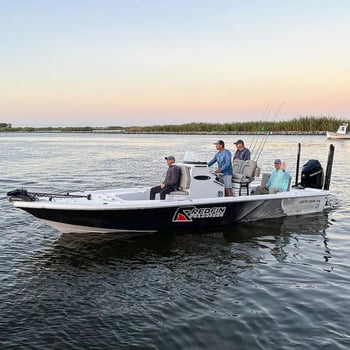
(341, 133)
(199, 203)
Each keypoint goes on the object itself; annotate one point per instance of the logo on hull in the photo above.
(187, 214)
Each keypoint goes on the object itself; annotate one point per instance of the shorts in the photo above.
(227, 181)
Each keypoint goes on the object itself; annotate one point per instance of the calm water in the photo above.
(281, 284)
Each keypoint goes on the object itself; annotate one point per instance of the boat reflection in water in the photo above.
(307, 224)
(282, 236)
(92, 248)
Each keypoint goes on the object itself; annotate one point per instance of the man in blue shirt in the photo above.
(223, 158)
(278, 181)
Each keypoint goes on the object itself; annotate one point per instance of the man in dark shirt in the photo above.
(171, 182)
(241, 151)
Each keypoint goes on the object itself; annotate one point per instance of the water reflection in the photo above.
(286, 245)
(209, 289)
(239, 242)
(306, 224)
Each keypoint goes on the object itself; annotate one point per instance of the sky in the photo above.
(155, 62)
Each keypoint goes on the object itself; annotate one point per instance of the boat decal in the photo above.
(308, 201)
(187, 214)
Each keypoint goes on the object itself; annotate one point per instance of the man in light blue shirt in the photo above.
(278, 181)
(223, 158)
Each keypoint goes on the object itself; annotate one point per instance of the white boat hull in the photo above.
(333, 135)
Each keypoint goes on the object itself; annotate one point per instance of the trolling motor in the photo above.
(25, 196)
(20, 195)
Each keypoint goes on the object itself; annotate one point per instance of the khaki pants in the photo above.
(264, 190)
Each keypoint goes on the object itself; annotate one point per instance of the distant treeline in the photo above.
(308, 125)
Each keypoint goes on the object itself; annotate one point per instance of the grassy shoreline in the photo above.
(300, 126)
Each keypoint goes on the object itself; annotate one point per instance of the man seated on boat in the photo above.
(171, 181)
(278, 181)
(223, 158)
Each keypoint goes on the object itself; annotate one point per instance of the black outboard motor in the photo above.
(312, 174)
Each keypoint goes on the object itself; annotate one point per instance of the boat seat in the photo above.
(246, 175)
(265, 177)
(237, 167)
(185, 180)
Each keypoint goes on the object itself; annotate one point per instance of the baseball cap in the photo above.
(278, 161)
(220, 142)
(170, 158)
(238, 142)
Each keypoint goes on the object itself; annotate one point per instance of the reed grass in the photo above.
(310, 125)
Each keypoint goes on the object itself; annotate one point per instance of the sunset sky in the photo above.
(146, 62)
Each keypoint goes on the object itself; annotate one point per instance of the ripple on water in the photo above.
(276, 284)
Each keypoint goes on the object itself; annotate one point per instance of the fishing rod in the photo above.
(262, 144)
(255, 139)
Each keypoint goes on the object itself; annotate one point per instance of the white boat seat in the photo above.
(185, 181)
(237, 167)
(246, 175)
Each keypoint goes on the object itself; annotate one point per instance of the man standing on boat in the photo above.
(223, 158)
(242, 152)
(171, 182)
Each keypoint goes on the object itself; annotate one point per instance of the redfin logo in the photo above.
(187, 214)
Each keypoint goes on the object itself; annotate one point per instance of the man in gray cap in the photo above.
(278, 181)
(171, 181)
(241, 151)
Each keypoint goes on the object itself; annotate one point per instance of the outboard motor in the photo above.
(312, 174)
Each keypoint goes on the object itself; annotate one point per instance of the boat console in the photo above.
(197, 180)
